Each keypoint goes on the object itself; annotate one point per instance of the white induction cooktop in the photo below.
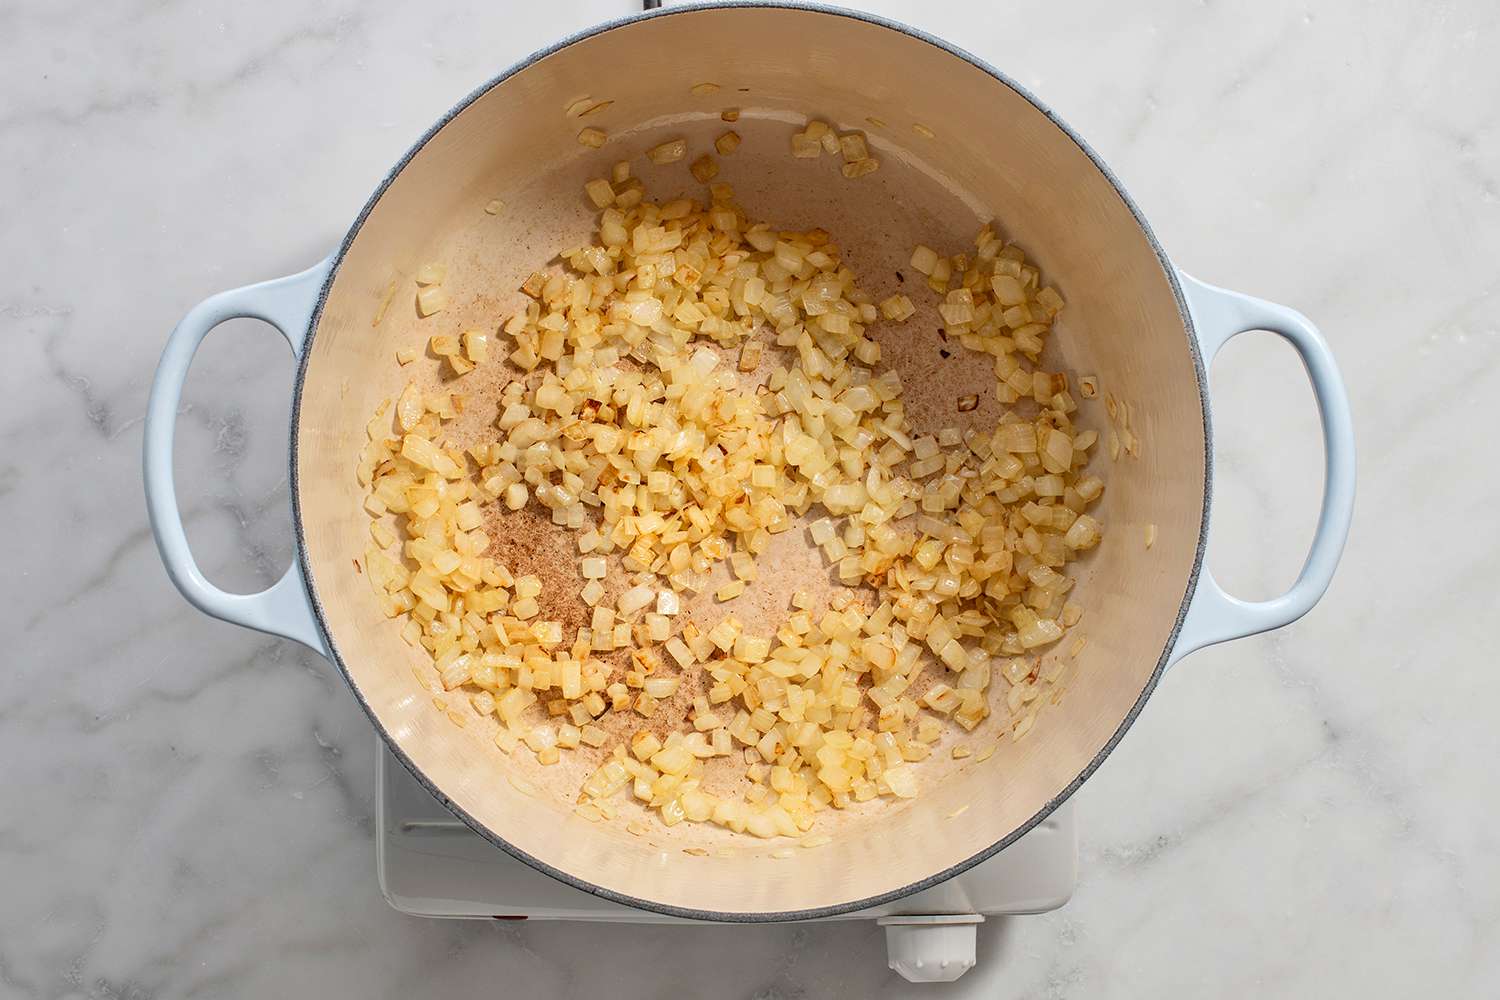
(431, 864)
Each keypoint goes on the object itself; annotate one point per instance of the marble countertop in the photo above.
(186, 807)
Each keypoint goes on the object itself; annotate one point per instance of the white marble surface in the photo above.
(185, 807)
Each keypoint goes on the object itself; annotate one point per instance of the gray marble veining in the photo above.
(186, 808)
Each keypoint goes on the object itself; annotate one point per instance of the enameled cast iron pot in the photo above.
(994, 152)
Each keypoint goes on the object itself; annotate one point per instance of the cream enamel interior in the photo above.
(995, 156)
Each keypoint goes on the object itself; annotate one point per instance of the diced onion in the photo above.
(635, 433)
(668, 152)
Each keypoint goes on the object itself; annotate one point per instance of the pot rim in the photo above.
(836, 909)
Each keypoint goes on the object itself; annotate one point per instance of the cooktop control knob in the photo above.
(930, 948)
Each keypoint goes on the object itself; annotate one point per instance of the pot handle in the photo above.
(285, 609)
(1214, 616)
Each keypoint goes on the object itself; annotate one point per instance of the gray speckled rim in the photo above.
(856, 904)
